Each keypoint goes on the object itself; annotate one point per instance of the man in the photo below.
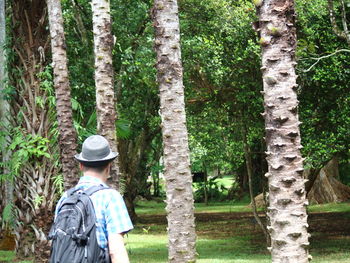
(112, 218)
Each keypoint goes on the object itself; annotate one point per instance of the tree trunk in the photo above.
(105, 99)
(287, 197)
(80, 25)
(325, 186)
(156, 185)
(345, 33)
(35, 191)
(4, 113)
(67, 133)
(181, 225)
(205, 186)
(249, 167)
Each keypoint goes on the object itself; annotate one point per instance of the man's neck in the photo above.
(102, 177)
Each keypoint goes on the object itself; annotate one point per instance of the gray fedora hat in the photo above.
(95, 149)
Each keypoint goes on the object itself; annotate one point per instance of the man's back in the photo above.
(111, 214)
(73, 233)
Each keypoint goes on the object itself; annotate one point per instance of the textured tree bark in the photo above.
(67, 133)
(4, 111)
(181, 225)
(287, 196)
(3, 102)
(325, 186)
(29, 34)
(105, 99)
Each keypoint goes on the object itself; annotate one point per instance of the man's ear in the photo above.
(81, 166)
(109, 168)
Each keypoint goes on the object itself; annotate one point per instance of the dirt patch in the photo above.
(7, 241)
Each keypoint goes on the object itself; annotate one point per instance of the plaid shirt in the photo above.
(111, 214)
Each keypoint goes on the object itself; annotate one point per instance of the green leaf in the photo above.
(123, 128)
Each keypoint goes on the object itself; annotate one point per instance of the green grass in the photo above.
(158, 208)
(150, 245)
(243, 247)
(151, 248)
(9, 256)
(332, 207)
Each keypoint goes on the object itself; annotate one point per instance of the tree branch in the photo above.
(344, 21)
(323, 57)
(336, 29)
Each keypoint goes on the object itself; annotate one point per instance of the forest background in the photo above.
(222, 79)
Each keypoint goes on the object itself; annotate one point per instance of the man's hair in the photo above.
(98, 167)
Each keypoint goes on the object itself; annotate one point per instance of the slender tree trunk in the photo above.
(4, 109)
(249, 167)
(67, 133)
(205, 185)
(181, 225)
(287, 198)
(345, 33)
(105, 99)
(78, 19)
(156, 184)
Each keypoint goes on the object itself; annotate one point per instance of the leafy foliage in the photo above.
(26, 148)
(8, 217)
(324, 90)
(222, 79)
(216, 191)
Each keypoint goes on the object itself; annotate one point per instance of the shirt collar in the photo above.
(90, 180)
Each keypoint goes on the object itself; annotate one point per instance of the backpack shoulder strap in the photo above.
(71, 191)
(94, 189)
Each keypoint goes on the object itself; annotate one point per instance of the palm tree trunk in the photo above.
(287, 198)
(35, 192)
(67, 133)
(105, 98)
(181, 226)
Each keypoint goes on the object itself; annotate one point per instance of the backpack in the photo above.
(73, 232)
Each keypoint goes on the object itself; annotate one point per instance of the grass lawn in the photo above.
(327, 208)
(158, 208)
(235, 241)
(9, 256)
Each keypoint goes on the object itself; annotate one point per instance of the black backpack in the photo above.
(73, 233)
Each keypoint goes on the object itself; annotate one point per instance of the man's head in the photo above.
(96, 155)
